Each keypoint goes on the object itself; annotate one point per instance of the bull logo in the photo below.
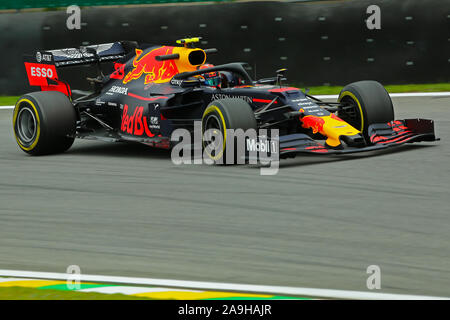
(313, 122)
(155, 71)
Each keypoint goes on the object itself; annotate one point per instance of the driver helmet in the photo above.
(211, 78)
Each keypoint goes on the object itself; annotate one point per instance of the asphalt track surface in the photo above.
(127, 210)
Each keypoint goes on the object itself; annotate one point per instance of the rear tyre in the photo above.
(366, 102)
(221, 115)
(44, 122)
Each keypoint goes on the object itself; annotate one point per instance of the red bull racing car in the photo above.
(152, 90)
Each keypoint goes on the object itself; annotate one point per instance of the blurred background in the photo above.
(127, 210)
(320, 42)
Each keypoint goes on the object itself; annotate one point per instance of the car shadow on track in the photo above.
(312, 159)
(119, 149)
(137, 150)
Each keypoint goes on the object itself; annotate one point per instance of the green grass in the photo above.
(8, 100)
(395, 88)
(433, 87)
(22, 293)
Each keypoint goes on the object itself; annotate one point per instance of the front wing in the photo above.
(382, 136)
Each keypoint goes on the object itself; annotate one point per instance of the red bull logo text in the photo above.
(155, 71)
(135, 124)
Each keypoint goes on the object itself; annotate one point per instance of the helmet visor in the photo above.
(213, 82)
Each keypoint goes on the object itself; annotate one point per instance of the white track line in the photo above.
(218, 286)
(335, 96)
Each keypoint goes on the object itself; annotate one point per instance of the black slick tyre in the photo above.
(44, 122)
(223, 114)
(365, 103)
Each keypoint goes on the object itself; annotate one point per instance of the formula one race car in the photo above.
(156, 89)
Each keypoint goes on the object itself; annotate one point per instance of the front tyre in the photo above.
(365, 103)
(220, 115)
(44, 122)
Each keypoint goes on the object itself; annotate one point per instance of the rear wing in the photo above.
(88, 54)
(41, 67)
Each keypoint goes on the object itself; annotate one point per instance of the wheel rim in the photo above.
(211, 122)
(349, 112)
(26, 125)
